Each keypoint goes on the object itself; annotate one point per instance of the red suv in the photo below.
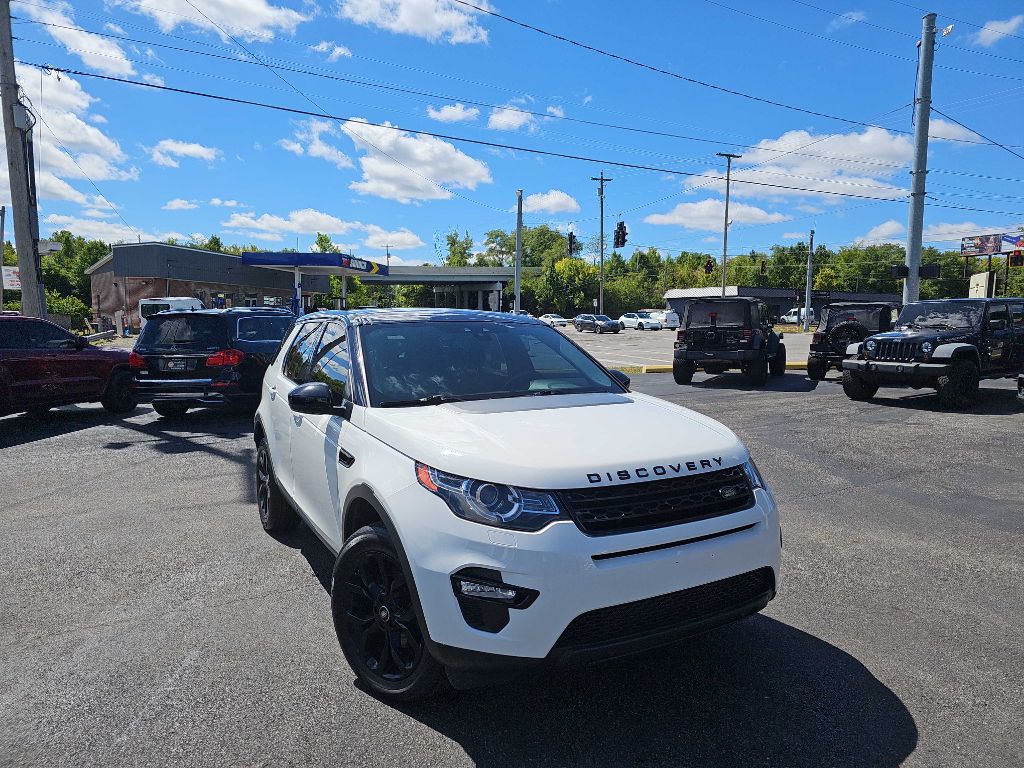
(43, 366)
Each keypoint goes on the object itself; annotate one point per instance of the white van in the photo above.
(795, 316)
(149, 307)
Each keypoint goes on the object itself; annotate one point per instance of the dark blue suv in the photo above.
(208, 357)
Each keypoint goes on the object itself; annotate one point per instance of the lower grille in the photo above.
(638, 506)
(899, 351)
(676, 610)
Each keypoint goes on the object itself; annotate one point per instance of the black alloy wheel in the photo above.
(119, 397)
(276, 514)
(376, 622)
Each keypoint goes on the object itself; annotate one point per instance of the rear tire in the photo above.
(683, 372)
(960, 388)
(276, 514)
(757, 372)
(170, 410)
(856, 388)
(376, 621)
(816, 370)
(119, 397)
(777, 366)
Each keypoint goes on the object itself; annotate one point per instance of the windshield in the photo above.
(187, 332)
(152, 309)
(411, 364)
(724, 313)
(942, 314)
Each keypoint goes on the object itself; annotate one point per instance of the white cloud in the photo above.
(552, 201)
(225, 203)
(308, 139)
(944, 129)
(887, 231)
(249, 19)
(556, 111)
(97, 229)
(587, 99)
(510, 118)
(166, 150)
(794, 235)
(178, 204)
(453, 113)
(97, 213)
(708, 215)
(152, 79)
(98, 119)
(98, 53)
(111, 27)
(433, 20)
(401, 239)
(812, 209)
(411, 164)
(332, 49)
(302, 222)
(845, 20)
(952, 232)
(995, 30)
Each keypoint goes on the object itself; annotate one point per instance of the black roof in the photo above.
(721, 299)
(431, 315)
(861, 304)
(240, 311)
(964, 301)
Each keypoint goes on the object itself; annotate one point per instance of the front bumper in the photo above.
(575, 574)
(884, 371)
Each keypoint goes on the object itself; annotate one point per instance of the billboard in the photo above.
(12, 279)
(1013, 242)
(981, 245)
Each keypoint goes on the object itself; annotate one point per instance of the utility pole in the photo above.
(602, 180)
(3, 251)
(18, 122)
(725, 227)
(922, 113)
(519, 245)
(807, 288)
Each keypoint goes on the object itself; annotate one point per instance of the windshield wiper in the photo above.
(428, 400)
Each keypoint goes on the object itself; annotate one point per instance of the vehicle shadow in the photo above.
(25, 428)
(757, 692)
(791, 381)
(989, 402)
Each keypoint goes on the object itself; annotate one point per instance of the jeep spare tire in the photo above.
(845, 334)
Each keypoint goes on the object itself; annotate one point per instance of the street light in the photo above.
(725, 225)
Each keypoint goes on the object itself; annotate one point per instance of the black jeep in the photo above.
(843, 324)
(733, 332)
(950, 345)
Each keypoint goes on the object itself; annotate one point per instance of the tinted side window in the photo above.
(37, 335)
(300, 354)
(999, 312)
(1017, 311)
(331, 362)
(266, 328)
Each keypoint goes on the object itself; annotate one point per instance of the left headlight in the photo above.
(870, 345)
(503, 506)
(926, 347)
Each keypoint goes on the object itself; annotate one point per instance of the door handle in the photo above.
(345, 458)
(273, 393)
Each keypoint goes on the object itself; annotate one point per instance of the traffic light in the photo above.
(764, 267)
(619, 238)
(709, 266)
(1017, 259)
(572, 243)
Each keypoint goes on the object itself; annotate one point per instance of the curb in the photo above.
(795, 366)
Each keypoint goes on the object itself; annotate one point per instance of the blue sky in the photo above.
(177, 165)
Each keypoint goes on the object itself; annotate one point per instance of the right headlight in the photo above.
(753, 474)
(870, 345)
(503, 506)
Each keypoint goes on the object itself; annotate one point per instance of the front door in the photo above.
(1000, 340)
(288, 374)
(323, 446)
(25, 366)
(1017, 323)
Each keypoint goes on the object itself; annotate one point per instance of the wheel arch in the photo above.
(957, 352)
(258, 430)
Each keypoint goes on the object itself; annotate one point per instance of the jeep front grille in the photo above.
(639, 506)
(896, 349)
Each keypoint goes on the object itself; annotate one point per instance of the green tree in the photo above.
(459, 249)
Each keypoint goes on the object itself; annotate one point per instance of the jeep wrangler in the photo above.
(843, 324)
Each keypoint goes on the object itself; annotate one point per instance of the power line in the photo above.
(991, 141)
(960, 21)
(669, 73)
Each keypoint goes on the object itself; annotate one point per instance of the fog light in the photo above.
(487, 591)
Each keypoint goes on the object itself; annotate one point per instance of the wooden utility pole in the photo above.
(18, 122)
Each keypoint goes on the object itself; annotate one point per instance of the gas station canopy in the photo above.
(312, 264)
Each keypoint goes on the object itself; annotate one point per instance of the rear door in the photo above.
(1000, 341)
(1017, 325)
(324, 447)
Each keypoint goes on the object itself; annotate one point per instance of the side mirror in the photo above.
(781, 335)
(81, 342)
(620, 377)
(997, 325)
(316, 398)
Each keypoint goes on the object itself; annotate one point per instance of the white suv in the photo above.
(497, 500)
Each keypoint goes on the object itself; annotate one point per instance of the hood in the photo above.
(919, 335)
(559, 441)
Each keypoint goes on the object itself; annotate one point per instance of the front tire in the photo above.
(856, 388)
(683, 372)
(119, 397)
(778, 363)
(960, 388)
(639, 326)
(376, 621)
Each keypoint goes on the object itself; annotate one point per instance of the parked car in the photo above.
(210, 357)
(724, 333)
(843, 324)
(522, 312)
(149, 307)
(949, 344)
(795, 316)
(43, 366)
(596, 323)
(667, 317)
(639, 321)
(608, 523)
(553, 320)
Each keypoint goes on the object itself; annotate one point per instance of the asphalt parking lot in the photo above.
(633, 349)
(148, 619)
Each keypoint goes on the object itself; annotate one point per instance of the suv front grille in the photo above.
(896, 349)
(638, 506)
(676, 610)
